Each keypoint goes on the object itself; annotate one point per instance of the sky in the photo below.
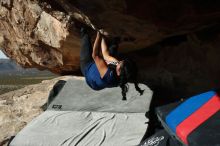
(2, 55)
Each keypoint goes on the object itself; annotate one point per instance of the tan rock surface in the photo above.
(19, 107)
(39, 33)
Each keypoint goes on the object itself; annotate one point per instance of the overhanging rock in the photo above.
(39, 33)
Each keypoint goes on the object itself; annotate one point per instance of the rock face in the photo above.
(174, 42)
(17, 108)
(42, 34)
(37, 33)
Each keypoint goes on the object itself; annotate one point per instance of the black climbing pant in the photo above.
(85, 52)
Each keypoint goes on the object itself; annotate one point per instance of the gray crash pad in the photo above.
(84, 117)
(76, 95)
(64, 128)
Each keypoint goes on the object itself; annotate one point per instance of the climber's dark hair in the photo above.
(128, 73)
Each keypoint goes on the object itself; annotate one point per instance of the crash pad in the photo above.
(78, 115)
(76, 95)
(195, 121)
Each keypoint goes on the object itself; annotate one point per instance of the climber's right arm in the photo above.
(100, 63)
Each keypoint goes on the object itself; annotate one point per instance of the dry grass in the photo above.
(13, 82)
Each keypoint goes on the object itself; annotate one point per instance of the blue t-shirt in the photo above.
(94, 79)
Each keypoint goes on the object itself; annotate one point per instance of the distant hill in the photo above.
(10, 67)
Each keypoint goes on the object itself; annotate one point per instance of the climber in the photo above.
(102, 69)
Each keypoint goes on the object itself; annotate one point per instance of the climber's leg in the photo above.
(86, 51)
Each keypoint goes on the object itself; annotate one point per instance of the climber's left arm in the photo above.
(105, 51)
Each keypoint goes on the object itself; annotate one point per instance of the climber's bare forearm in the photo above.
(105, 51)
(100, 63)
(104, 47)
(96, 45)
